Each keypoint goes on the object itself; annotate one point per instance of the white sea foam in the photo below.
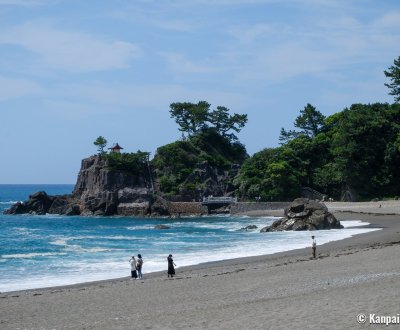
(354, 223)
(99, 262)
(9, 202)
(140, 227)
(59, 242)
(78, 248)
(31, 255)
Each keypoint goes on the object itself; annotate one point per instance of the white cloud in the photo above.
(71, 51)
(180, 64)
(76, 101)
(15, 88)
(251, 33)
(389, 20)
(277, 53)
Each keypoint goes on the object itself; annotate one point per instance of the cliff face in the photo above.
(206, 180)
(102, 191)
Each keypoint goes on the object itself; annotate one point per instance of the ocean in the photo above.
(52, 250)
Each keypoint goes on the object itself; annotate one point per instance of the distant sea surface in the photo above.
(52, 250)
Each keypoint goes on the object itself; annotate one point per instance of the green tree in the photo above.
(193, 118)
(189, 116)
(310, 121)
(272, 174)
(133, 163)
(100, 143)
(223, 122)
(393, 73)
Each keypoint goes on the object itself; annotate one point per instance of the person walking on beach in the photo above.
(132, 261)
(139, 265)
(171, 264)
(314, 246)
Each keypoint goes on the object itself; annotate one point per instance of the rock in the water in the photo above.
(249, 227)
(161, 227)
(160, 207)
(38, 203)
(305, 214)
(64, 204)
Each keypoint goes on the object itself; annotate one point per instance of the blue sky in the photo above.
(72, 70)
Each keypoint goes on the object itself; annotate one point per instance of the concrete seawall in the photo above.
(187, 208)
(244, 207)
(196, 208)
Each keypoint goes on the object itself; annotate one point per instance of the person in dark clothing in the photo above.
(171, 264)
(139, 265)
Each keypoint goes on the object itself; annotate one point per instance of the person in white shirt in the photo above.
(132, 261)
(314, 246)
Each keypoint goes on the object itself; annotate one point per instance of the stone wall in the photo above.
(187, 208)
(252, 206)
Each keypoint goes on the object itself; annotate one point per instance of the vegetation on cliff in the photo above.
(175, 162)
(356, 150)
(133, 163)
(208, 141)
(353, 152)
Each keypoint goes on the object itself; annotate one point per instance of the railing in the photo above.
(225, 200)
(312, 193)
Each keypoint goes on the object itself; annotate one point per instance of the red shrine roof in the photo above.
(116, 146)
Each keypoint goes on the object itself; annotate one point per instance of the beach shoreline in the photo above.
(73, 299)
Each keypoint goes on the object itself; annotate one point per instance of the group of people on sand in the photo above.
(137, 264)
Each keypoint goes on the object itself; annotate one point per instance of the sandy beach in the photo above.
(359, 275)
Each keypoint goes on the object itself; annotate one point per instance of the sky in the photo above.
(72, 70)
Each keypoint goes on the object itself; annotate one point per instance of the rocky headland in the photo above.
(99, 190)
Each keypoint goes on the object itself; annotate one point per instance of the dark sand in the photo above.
(285, 290)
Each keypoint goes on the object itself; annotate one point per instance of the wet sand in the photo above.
(285, 290)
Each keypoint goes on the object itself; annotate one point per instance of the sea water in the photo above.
(51, 250)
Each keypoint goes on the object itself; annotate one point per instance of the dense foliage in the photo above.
(132, 163)
(175, 162)
(356, 150)
(193, 118)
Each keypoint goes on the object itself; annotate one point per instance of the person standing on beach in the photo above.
(171, 264)
(314, 246)
(132, 261)
(139, 265)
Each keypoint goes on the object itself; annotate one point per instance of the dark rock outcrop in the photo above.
(249, 227)
(305, 214)
(160, 207)
(214, 182)
(40, 203)
(102, 191)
